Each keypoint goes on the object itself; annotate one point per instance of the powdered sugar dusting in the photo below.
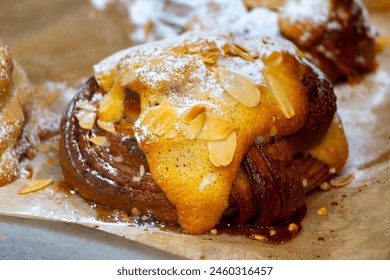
(156, 19)
(311, 11)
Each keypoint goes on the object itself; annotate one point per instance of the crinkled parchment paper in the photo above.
(63, 44)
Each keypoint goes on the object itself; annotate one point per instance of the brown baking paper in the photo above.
(58, 51)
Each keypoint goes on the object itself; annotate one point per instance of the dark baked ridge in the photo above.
(113, 189)
(97, 176)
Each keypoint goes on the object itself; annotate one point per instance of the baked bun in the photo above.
(335, 34)
(192, 129)
(15, 90)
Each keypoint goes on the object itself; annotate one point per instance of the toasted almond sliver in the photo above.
(216, 128)
(35, 185)
(221, 152)
(196, 126)
(239, 87)
(279, 92)
(86, 119)
(100, 141)
(108, 126)
(192, 113)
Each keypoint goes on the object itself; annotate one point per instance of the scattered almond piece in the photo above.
(241, 88)
(99, 140)
(322, 211)
(292, 227)
(325, 186)
(35, 185)
(341, 182)
(272, 232)
(107, 126)
(228, 146)
(216, 128)
(279, 92)
(259, 237)
(196, 126)
(162, 118)
(86, 119)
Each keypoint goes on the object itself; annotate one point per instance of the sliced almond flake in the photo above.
(241, 88)
(100, 141)
(221, 152)
(86, 119)
(161, 119)
(279, 92)
(341, 182)
(191, 113)
(35, 185)
(196, 126)
(216, 128)
(107, 126)
(86, 105)
(128, 78)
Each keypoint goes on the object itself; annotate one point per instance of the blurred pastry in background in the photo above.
(24, 117)
(15, 95)
(336, 35)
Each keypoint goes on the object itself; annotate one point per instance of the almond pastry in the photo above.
(214, 137)
(14, 93)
